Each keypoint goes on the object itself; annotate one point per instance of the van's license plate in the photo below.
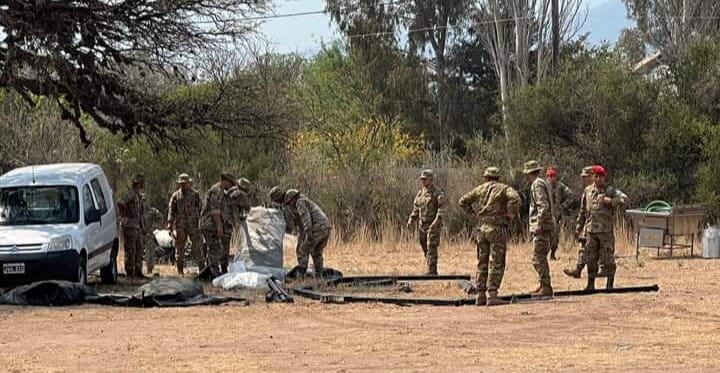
(13, 268)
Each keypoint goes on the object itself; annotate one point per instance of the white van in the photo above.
(57, 222)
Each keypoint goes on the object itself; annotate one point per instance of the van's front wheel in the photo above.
(81, 274)
(108, 274)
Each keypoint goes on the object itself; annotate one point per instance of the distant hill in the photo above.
(606, 20)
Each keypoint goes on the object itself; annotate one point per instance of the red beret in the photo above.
(599, 170)
(551, 171)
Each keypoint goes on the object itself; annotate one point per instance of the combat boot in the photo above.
(180, 269)
(575, 273)
(494, 300)
(432, 270)
(480, 299)
(610, 282)
(590, 287)
(543, 291)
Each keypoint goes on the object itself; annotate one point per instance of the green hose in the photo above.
(658, 206)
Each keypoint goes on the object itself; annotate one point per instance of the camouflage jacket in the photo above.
(563, 199)
(214, 205)
(541, 206)
(595, 216)
(310, 216)
(131, 213)
(184, 209)
(236, 206)
(429, 204)
(491, 202)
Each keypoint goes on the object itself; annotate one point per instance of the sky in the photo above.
(305, 34)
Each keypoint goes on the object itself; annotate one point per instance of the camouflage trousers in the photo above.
(555, 238)
(581, 256)
(218, 250)
(149, 246)
(429, 242)
(541, 249)
(181, 237)
(312, 245)
(491, 243)
(133, 246)
(600, 248)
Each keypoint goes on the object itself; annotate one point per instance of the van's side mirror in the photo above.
(92, 216)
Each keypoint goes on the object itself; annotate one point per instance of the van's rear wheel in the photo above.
(108, 274)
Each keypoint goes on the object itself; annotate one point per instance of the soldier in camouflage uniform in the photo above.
(277, 201)
(314, 231)
(184, 222)
(428, 210)
(586, 175)
(153, 220)
(563, 200)
(240, 201)
(495, 204)
(542, 226)
(597, 210)
(214, 221)
(132, 226)
(237, 207)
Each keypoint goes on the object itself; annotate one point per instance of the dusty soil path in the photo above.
(677, 329)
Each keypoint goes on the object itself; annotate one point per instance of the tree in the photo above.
(93, 56)
(471, 88)
(631, 45)
(670, 25)
(432, 22)
(374, 25)
(511, 29)
(342, 117)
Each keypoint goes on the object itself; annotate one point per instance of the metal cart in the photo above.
(661, 230)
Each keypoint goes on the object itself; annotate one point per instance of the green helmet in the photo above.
(276, 194)
(290, 195)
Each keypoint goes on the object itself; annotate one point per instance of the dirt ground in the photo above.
(676, 329)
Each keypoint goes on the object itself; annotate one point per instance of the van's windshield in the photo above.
(39, 205)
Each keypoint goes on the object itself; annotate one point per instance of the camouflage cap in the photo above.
(244, 184)
(290, 195)
(226, 176)
(586, 171)
(276, 194)
(531, 167)
(427, 174)
(492, 172)
(138, 178)
(184, 179)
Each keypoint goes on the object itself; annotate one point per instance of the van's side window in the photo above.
(99, 196)
(88, 204)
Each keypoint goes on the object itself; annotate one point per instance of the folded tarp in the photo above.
(260, 256)
(46, 293)
(263, 252)
(157, 293)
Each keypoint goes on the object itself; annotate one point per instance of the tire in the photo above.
(81, 272)
(109, 273)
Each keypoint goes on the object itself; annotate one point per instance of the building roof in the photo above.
(648, 63)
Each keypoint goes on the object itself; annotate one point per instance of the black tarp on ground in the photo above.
(46, 293)
(157, 293)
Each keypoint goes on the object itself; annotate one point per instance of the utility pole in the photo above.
(555, 36)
